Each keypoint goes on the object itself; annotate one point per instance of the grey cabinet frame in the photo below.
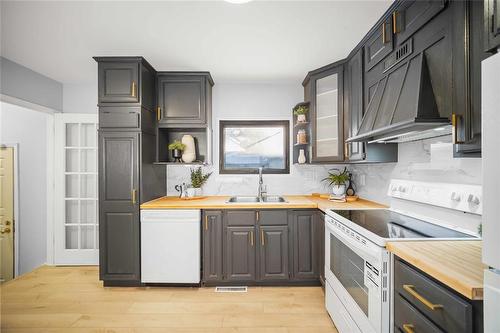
(491, 25)
(212, 246)
(304, 245)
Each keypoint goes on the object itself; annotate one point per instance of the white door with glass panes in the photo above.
(76, 213)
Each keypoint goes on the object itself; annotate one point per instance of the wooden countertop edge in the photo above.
(472, 292)
(294, 202)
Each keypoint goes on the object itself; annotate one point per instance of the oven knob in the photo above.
(474, 200)
(456, 197)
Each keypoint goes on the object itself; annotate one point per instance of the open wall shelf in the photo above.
(297, 126)
(201, 137)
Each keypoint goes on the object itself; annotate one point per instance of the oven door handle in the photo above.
(367, 256)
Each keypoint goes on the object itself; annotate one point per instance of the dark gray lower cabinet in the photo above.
(492, 24)
(305, 266)
(261, 246)
(240, 255)
(320, 244)
(212, 246)
(273, 252)
(119, 206)
(452, 313)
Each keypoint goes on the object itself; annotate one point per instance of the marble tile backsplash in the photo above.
(428, 160)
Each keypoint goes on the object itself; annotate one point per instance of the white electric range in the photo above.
(357, 265)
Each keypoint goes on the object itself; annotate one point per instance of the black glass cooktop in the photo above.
(388, 224)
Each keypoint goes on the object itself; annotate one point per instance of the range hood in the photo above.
(403, 107)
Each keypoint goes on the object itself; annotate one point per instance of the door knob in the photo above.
(5, 231)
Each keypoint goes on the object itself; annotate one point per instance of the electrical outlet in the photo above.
(362, 179)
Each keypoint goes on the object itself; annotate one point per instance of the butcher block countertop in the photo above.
(456, 264)
(293, 201)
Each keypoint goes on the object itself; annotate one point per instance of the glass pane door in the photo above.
(77, 231)
(327, 130)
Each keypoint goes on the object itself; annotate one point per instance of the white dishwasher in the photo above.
(170, 246)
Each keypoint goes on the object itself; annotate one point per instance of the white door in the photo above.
(76, 217)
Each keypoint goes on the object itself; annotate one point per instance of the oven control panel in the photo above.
(462, 197)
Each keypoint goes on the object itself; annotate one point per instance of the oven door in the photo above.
(354, 272)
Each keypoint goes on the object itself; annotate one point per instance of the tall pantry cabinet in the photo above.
(127, 173)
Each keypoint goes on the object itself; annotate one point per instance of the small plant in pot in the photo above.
(337, 180)
(198, 179)
(301, 111)
(176, 147)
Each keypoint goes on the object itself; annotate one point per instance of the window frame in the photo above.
(255, 123)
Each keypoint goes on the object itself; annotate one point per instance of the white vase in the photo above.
(189, 152)
(338, 190)
(190, 192)
(301, 118)
(302, 157)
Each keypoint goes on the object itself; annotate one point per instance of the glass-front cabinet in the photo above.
(326, 91)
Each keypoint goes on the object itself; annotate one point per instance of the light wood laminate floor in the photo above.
(73, 300)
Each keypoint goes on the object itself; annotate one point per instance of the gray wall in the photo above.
(27, 85)
(28, 129)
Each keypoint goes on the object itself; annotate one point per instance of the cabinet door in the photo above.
(469, 125)
(240, 254)
(492, 24)
(181, 99)
(304, 247)
(118, 82)
(353, 105)
(273, 252)
(327, 116)
(412, 15)
(379, 44)
(212, 246)
(119, 206)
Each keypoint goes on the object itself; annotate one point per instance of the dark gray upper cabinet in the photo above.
(491, 25)
(118, 82)
(273, 252)
(324, 87)
(468, 117)
(353, 105)
(212, 246)
(240, 253)
(304, 245)
(412, 15)
(184, 97)
(119, 206)
(379, 44)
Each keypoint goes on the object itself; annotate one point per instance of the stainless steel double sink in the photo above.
(250, 199)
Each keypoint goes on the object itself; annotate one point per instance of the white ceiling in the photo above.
(268, 41)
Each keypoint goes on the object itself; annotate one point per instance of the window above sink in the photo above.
(247, 145)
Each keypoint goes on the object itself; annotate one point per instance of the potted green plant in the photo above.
(301, 111)
(198, 179)
(337, 180)
(176, 147)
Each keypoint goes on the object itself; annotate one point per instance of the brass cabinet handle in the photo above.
(251, 238)
(411, 290)
(346, 150)
(206, 222)
(134, 196)
(455, 121)
(5, 231)
(394, 22)
(158, 113)
(258, 217)
(408, 328)
(134, 88)
(262, 239)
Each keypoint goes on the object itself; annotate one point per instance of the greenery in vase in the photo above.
(337, 178)
(176, 145)
(300, 110)
(198, 178)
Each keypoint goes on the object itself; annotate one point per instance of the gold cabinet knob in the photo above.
(5, 231)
